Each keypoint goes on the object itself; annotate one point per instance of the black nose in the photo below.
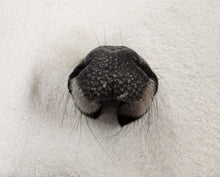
(113, 73)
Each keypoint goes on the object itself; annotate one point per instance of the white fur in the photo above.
(41, 132)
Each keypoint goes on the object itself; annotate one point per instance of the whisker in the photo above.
(159, 68)
(75, 125)
(170, 87)
(122, 43)
(80, 136)
(95, 35)
(104, 37)
(113, 41)
(149, 116)
(156, 106)
(62, 96)
(116, 134)
(65, 109)
(130, 125)
(97, 139)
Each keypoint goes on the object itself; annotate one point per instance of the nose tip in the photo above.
(113, 73)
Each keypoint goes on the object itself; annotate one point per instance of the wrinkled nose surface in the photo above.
(113, 73)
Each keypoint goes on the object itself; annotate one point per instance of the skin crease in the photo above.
(43, 134)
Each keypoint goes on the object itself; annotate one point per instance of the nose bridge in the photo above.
(109, 52)
(114, 59)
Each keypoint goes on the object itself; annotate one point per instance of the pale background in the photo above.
(41, 40)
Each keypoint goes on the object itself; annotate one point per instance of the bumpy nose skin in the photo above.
(140, 62)
(76, 72)
(113, 73)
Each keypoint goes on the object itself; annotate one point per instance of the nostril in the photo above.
(113, 73)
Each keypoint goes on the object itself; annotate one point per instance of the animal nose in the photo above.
(112, 73)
